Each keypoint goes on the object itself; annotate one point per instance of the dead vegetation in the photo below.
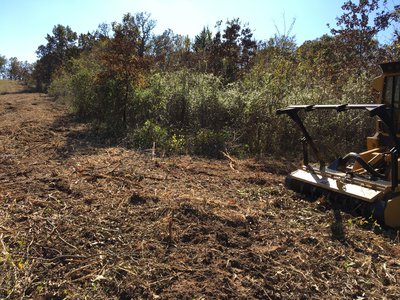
(83, 219)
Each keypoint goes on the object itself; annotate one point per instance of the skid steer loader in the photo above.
(364, 183)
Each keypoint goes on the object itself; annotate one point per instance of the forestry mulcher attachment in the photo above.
(364, 183)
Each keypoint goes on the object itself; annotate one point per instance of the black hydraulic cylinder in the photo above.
(305, 151)
(395, 176)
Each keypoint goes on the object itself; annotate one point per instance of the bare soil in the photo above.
(83, 219)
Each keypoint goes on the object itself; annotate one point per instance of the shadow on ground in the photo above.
(80, 137)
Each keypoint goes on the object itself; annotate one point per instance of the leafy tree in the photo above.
(203, 41)
(319, 63)
(3, 63)
(18, 70)
(282, 44)
(396, 44)
(202, 47)
(232, 50)
(145, 26)
(123, 68)
(171, 51)
(357, 31)
(26, 70)
(60, 48)
(393, 48)
(248, 48)
(14, 69)
(222, 90)
(87, 41)
(163, 48)
(103, 31)
(61, 44)
(182, 54)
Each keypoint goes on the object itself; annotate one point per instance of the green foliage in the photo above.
(61, 89)
(358, 27)
(232, 50)
(14, 69)
(210, 142)
(189, 104)
(82, 87)
(77, 87)
(3, 63)
(144, 137)
(203, 41)
(220, 92)
(177, 144)
(191, 100)
(60, 48)
(153, 135)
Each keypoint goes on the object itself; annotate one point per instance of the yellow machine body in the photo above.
(366, 183)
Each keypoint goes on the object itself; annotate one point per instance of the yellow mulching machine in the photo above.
(364, 183)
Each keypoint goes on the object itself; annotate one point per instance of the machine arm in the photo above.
(379, 110)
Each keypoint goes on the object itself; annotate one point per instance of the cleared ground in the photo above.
(82, 219)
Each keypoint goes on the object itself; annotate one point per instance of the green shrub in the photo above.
(84, 98)
(210, 142)
(60, 89)
(144, 137)
(177, 144)
(185, 111)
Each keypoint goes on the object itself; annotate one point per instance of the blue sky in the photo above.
(25, 23)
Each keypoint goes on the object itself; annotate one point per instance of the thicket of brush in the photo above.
(219, 92)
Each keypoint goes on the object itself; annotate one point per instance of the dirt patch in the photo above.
(81, 219)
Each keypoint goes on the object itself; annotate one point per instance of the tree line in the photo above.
(14, 69)
(219, 91)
